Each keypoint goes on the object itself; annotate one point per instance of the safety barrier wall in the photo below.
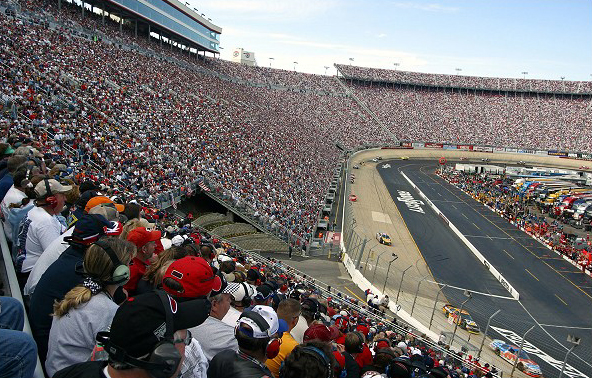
(513, 292)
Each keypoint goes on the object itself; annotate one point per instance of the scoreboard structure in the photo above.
(239, 55)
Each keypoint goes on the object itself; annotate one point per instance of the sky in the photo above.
(549, 39)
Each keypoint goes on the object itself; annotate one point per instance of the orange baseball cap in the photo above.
(99, 200)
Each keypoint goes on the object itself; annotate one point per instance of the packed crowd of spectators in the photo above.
(460, 81)
(115, 289)
(544, 123)
(505, 198)
(268, 148)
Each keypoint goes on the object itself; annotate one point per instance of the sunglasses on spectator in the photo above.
(186, 340)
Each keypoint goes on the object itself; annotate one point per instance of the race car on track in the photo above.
(508, 352)
(404, 157)
(375, 160)
(486, 160)
(383, 238)
(465, 321)
(356, 166)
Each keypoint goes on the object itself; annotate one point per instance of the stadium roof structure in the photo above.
(170, 19)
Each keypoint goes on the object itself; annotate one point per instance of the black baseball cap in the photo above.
(140, 322)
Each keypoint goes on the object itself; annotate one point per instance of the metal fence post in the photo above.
(435, 303)
(416, 293)
(361, 253)
(485, 334)
(401, 283)
(520, 351)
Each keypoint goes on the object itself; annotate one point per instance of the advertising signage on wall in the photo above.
(433, 145)
(482, 149)
(558, 153)
(464, 147)
(449, 146)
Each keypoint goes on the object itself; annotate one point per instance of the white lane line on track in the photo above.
(485, 236)
(560, 326)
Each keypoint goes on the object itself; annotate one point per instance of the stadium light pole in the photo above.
(270, 59)
(295, 64)
(525, 73)
(326, 68)
(396, 65)
(458, 70)
(466, 293)
(351, 60)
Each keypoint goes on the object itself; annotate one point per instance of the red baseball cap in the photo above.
(195, 275)
(321, 332)
(382, 344)
(141, 235)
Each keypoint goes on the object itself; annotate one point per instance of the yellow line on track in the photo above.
(558, 297)
(533, 276)
(354, 294)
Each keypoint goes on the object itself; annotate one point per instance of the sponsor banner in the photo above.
(514, 150)
(433, 145)
(396, 148)
(449, 146)
(406, 144)
(482, 149)
(557, 153)
(586, 156)
(521, 151)
(540, 152)
(572, 155)
(417, 145)
(464, 147)
(499, 149)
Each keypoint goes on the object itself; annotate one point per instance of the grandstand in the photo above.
(102, 97)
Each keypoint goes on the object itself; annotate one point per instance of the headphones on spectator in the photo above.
(361, 348)
(273, 346)
(212, 254)
(121, 272)
(314, 308)
(50, 198)
(317, 354)
(164, 359)
(246, 301)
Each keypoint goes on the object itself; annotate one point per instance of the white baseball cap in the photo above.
(259, 331)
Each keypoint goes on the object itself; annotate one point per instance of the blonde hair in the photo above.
(155, 272)
(131, 224)
(98, 265)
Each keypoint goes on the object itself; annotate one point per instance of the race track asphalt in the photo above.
(554, 295)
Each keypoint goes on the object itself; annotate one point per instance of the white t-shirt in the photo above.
(231, 317)
(298, 331)
(43, 230)
(12, 196)
(48, 257)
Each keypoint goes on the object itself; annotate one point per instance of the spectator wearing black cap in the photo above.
(147, 338)
(256, 335)
(310, 312)
(14, 196)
